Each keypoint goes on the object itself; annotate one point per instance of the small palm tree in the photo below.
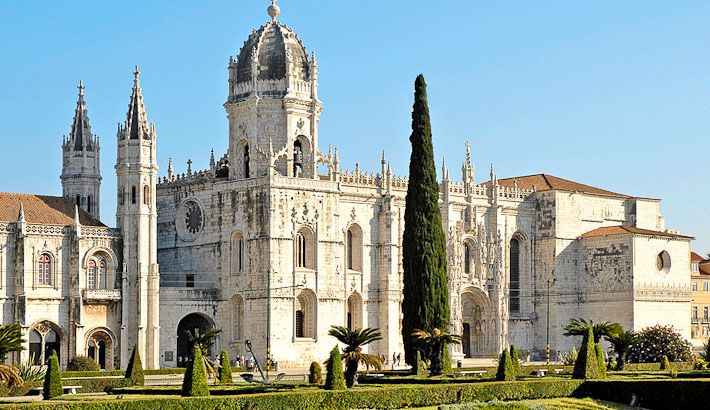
(10, 340)
(622, 343)
(204, 341)
(354, 339)
(578, 327)
(435, 341)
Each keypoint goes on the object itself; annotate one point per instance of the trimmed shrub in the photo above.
(586, 366)
(314, 374)
(699, 364)
(515, 359)
(225, 370)
(195, 382)
(600, 360)
(52, 379)
(83, 364)
(334, 378)
(134, 372)
(654, 394)
(419, 367)
(446, 362)
(658, 341)
(665, 364)
(506, 371)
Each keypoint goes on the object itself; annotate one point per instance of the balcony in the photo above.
(100, 296)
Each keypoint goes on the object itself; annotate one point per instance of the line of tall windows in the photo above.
(514, 276)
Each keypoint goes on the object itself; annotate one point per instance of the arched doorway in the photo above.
(99, 346)
(190, 322)
(475, 340)
(44, 338)
(353, 319)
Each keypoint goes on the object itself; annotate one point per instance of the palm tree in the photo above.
(354, 339)
(435, 341)
(622, 343)
(204, 341)
(10, 340)
(578, 327)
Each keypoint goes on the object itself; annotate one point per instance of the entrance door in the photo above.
(102, 354)
(466, 339)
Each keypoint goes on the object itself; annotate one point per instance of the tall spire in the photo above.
(137, 126)
(80, 137)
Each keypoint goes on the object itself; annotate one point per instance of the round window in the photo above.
(663, 262)
(189, 220)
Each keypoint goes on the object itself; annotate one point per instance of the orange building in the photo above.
(700, 304)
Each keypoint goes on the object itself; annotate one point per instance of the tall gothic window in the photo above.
(122, 195)
(238, 253)
(466, 258)
(297, 159)
(44, 269)
(246, 161)
(514, 276)
(91, 275)
(353, 248)
(305, 249)
(305, 314)
(133, 195)
(146, 192)
(299, 323)
(350, 249)
(96, 274)
(88, 204)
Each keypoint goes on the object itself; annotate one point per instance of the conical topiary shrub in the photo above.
(600, 360)
(446, 362)
(665, 364)
(314, 374)
(195, 381)
(334, 378)
(225, 370)
(515, 359)
(134, 372)
(419, 367)
(52, 379)
(506, 371)
(587, 365)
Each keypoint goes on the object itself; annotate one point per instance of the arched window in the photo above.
(96, 274)
(146, 195)
(353, 318)
(297, 159)
(43, 340)
(44, 270)
(514, 275)
(122, 195)
(36, 347)
(238, 253)
(305, 249)
(246, 160)
(77, 200)
(305, 315)
(88, 204)
(237, 317)
(133, 195)
(91, 275)
(466, 258)
(353, 248)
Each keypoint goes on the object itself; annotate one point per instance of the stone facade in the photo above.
(268, 249)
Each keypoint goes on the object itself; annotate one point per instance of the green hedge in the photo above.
(656, 366)
(103, 373)
(381, 398)
(655, 394)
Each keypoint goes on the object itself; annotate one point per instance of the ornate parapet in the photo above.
(100, 232)
(657, 292)
(100, 296)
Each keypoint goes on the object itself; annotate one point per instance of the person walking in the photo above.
(399, 358)
(394, 358)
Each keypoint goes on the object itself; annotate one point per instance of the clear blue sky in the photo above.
(608, 93)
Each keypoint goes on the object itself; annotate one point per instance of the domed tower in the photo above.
(273, 105)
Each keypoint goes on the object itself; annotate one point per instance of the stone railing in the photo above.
(94, 232)
(101, 295)
(48, 229)
(7, 228)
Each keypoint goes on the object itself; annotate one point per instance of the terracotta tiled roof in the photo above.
(40, 209)
(704, 268)
(544, 182)
(627, 230)
(695, 257)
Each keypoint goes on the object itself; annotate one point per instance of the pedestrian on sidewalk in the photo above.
(399, 358)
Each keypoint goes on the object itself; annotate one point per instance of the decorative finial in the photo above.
(21, 214)
(81, 88)
(136, 73)
(273, 10)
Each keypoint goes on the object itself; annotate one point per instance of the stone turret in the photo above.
(81, 173)
(136, 215)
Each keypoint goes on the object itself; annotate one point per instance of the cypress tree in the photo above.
(446, 362)
(225, 370)
(134, 372)
(587, 364)
(195, 382)
(665, 364)
(425, 304)
(334, 378)
(419, 368)
(52, 378)
(515, 359)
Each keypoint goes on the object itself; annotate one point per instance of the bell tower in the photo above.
(81, 174)
(136, 216)
(273, 106)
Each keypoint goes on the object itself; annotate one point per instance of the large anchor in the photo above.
(249, 378)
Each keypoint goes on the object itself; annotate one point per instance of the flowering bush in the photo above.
(658, 341)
